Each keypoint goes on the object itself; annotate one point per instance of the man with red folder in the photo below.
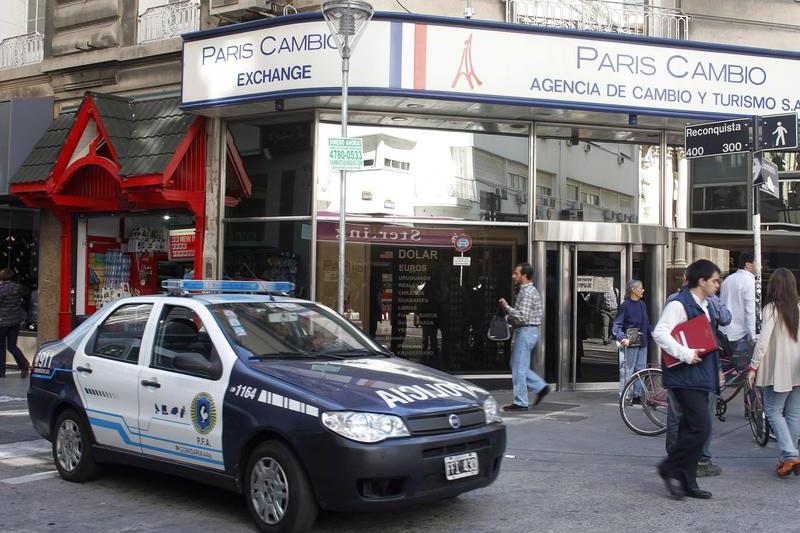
(691, 382)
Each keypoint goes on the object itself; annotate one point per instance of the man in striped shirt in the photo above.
(525, 317)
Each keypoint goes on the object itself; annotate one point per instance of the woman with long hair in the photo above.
(776, 366)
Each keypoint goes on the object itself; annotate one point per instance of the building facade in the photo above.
(542, 131)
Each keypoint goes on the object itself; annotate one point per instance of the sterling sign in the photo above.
(412, 55)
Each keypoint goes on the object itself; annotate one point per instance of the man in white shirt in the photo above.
(738, 293)
(691, 382)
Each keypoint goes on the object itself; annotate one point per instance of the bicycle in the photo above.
(648, 415)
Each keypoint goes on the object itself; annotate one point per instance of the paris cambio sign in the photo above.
(411, 55)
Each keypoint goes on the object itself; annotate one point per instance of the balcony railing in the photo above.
(169, 20)
(21, 50)
(600, 16)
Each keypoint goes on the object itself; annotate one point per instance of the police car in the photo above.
(278, 398)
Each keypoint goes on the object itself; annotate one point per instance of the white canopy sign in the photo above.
(503, 63)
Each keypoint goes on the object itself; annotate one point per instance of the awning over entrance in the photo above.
(117, 154)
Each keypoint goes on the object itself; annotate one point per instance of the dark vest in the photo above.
(702, 376)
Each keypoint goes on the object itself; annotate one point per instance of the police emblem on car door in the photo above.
(183, 386)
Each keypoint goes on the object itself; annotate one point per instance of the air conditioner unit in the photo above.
(543, 213)
(501, 193)
(239, 10)
(366, 195)
(608, 214)
(620, 217)
(522, 198)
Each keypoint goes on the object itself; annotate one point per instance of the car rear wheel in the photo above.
(277, 492)
(72, 450)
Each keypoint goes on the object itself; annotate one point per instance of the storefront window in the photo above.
(130, 255)
(411, 172)
(19, 234)
(786, 208)
(269, 250)
(404, 290)
(677, 188)
(278, 160)
(582, 174)
(719, 192)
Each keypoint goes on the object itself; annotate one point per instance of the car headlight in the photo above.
(365, 427)
(491, 411)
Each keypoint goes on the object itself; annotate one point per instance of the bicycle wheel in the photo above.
(734, 381)
(758, 419)
(648, 415)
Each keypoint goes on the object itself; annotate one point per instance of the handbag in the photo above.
(499, 329)
(634, 336)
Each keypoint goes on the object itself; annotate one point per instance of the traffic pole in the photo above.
(757, 225)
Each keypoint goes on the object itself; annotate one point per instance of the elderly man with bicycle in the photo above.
(690, 382)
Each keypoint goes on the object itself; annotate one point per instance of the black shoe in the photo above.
(674, 489)
(699, 494)
(636, 401)
(515, 407)
(24, 372)
(541, 394)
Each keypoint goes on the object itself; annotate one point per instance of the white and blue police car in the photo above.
(278, 398)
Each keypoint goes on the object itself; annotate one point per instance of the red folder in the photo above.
(696, 334)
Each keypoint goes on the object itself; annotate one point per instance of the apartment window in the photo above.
(517, 182)
(393, 163)
(572, 192)
(591, 199)
(36, 11)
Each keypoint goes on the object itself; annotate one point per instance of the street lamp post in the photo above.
(346, 21)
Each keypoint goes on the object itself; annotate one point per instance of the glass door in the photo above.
(599, 274)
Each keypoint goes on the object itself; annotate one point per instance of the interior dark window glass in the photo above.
(120, 335)
(180, 331)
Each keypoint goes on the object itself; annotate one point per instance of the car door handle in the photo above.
(84, 369)
(151, 383)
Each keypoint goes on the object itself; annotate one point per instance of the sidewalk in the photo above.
(579, 467)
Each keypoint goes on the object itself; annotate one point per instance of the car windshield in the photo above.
(287, 330)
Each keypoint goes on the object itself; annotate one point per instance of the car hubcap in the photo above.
(269, 490)
(69, 446)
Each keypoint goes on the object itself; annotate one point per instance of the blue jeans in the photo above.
(742, 351)
(631, 360)
(673, 420)
(522, 377)
(8, 341)
(783, 412)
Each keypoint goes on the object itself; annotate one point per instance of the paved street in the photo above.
(572, 466)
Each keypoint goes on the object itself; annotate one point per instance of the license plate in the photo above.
(458, 466)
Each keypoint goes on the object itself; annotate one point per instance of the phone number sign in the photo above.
(345, 153)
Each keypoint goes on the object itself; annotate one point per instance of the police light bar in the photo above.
(216, 285)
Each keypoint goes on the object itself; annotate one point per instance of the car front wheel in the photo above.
(277, 492)
(72, 448)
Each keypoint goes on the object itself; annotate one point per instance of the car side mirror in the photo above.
(195, 363)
